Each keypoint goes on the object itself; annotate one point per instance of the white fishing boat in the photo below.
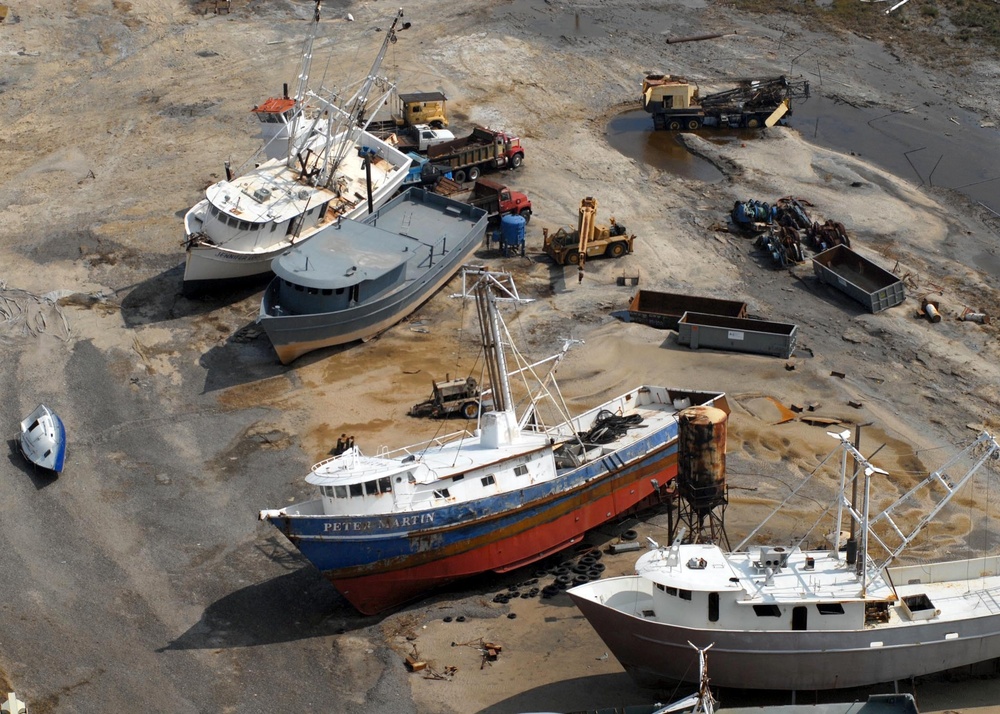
(322, 165)
(787, 618)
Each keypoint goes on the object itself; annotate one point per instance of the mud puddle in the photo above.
(632, 134)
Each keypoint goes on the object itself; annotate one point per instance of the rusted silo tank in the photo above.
(701, 467)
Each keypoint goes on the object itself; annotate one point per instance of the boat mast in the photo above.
(358, 104)
(496, 360)
(300, 90)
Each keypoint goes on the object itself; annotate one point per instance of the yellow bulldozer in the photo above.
(573, 247)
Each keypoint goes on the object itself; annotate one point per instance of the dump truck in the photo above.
(677, 104)
(453, 397)
(574, 247)
(497, 199)
(484, 148)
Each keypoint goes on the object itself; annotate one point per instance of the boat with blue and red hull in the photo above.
(388, 528)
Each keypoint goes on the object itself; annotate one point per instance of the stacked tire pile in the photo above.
(583, 568)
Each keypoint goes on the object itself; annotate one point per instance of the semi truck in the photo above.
(677, 104)
(484, 148)
(495, 198)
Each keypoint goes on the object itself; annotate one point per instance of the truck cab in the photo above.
(426, 137)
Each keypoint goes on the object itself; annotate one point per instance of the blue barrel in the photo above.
(512, 231)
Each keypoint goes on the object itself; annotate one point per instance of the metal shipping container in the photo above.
(872, 286)
(718, 332)
(663, 310)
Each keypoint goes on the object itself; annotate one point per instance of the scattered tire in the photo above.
(581, 567)
(630, 535)
(581, 578)
(564, 580)
(540, 574)
(596, 554)
(447, 618)
(460, 618)
(525, 595)
(598, 567)
(550, 590)
(512, 588)
(588, 560)
(562, 570)
(595, 575)
(533, 592)
(511, 615)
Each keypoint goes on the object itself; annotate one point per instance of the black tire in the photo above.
(753, 123)
(470, 410)
(563, 580)
(693, 124)
(581, 579)
(526, 215)
(598, 567)
(458, 175)
(630, 535)
(573, 257)
(616, 250)
(674, 125)
(473, 173)
(659, 122)
(588, 560)
(581, 567)
(516, 160)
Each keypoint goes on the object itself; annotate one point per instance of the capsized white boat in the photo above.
(785, 618)
(43, 439)
(322, 166)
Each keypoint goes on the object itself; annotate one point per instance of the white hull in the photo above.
(655, 653)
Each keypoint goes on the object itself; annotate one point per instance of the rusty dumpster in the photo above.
(697, 330)
(874, 287)
(664, 310)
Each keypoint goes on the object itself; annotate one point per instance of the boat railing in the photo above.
(383, 452)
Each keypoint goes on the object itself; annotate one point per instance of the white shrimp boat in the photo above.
(322, 165)
(781, 617)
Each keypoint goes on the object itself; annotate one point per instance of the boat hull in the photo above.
(295, 335)
(380, 562)
(656, 654)
(43, 439)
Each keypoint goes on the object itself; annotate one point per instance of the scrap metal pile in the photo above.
(782, 227)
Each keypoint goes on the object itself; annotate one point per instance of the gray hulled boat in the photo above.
(358, 278)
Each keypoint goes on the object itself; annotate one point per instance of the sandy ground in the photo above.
(142, 575)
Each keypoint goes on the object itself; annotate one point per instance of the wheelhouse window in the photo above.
(830, 608)
(357, 489)
(521, 470)
(684, 594)
(385, 484)
(488, 480)
(442, 493)
(371, 488)
(340, 491)
(767, 610)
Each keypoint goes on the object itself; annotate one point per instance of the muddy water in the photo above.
(930, 145)
(631, 134)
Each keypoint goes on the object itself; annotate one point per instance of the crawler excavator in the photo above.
(574, 247)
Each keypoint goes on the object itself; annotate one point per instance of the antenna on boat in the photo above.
(939, 477)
